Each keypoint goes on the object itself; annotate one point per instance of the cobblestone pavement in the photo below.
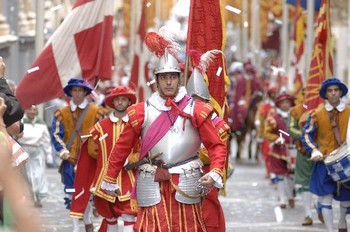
(250, 205)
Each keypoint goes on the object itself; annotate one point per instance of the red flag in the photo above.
(80, 47)
(321, 66)
(139, 68)
(206, 32)
(298, 51)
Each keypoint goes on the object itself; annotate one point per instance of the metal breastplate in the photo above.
(177, 145)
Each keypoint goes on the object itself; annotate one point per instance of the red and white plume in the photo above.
(202, 61)
(158, 42)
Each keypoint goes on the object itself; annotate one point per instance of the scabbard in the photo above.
(143, 161)
(136, 164)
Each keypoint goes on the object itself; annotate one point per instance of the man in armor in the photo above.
(172, 126)
(326, 130)
(213, 214)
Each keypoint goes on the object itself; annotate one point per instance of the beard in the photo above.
(120, 109)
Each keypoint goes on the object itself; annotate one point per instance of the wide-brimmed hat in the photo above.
(284, 96)
(77, 82)
(333, 81)
(120, 91)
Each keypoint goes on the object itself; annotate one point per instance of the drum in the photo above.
(338, 164)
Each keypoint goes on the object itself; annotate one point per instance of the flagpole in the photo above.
(39, 27)
(285, 38)
(310, 33)
(187, 65)
(132, 30)
(348, 50)
(244, 30)
(39, 38)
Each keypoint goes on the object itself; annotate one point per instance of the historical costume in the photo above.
(172, 126)
(276, 132)
(68, 125)
(90, 170)
(325, 131)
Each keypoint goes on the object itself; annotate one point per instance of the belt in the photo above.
(159, 163)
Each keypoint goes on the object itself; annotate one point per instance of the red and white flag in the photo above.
(81, 47)
(139, 69)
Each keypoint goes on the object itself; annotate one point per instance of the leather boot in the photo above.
(89, 227)
(307, 221)
(291, 203)
(320, 217)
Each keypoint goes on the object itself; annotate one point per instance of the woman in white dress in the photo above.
(36, 142)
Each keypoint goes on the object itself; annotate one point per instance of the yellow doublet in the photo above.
(325, 139)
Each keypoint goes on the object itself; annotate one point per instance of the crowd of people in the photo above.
(159, 165)
(304, 150)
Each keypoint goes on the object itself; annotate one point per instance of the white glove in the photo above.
(49, 159)
(280, 140)
(257, 123)
(316, 155)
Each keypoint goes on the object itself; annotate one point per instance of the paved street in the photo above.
(250, 205)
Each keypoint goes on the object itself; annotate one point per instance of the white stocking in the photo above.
(288, 186)
(87, 219)
(281, 192)
(113, 227)
(327, 212)
(344, 205)
(127, 218)
(307, 201)
(75, 224)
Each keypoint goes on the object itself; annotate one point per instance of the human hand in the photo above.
(114, 193)
(316, 155)
(64, 156)
(3, 107)
(260, 140)
(206, 181)
(280, 140)
(49, 159)
(2, 67)
(73, 161)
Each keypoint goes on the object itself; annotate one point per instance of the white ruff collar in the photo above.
(284, 114)
(82, 105)
(339, 107)
(159, 103)
(116, 119)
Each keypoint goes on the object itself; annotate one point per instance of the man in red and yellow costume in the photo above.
(172, 126)
(90, 170)
(247, 88)
(68, 125)
(265, 109)
(276, 132)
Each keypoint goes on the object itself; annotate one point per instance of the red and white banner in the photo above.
(139, 69)
(19, 155)
(81, 47)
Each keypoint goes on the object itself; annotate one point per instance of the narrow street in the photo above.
(250, 205)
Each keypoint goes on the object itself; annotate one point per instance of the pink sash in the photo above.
(161, 126)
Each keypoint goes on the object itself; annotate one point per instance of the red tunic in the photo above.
(90, 173)
(278, 153)
(214, 218)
